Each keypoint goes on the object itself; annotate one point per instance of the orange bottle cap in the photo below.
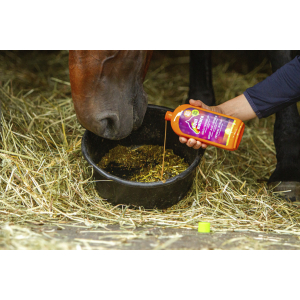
(168, 115)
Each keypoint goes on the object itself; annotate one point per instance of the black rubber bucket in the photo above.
(147, 195)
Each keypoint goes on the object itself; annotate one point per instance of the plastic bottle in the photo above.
(206, 126)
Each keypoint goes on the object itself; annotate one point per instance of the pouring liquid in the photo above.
(163, 164)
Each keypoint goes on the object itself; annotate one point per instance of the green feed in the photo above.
(142, 163)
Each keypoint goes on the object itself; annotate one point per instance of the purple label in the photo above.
(205, 125)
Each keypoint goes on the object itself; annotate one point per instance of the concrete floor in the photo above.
(112, 237)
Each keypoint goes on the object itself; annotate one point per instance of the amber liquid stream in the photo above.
(163, 164)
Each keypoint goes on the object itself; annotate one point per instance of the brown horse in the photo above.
(107, 90)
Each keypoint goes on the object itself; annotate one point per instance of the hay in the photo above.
(45, 180)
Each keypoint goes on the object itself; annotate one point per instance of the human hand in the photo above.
(192, 142)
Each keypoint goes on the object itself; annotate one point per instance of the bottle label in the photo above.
(205, 125)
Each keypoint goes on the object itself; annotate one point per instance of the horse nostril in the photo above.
(108, 124)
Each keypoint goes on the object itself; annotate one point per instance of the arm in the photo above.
(277, 91)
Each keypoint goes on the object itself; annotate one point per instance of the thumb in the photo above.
(199, 103)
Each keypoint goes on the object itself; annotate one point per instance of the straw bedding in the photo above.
(45, 180)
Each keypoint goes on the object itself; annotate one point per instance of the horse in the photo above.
(109, 100)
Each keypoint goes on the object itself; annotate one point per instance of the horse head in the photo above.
(107, 90)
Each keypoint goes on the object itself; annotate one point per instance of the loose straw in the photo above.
(44, 180)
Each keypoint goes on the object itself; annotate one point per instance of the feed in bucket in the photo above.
(142, 163)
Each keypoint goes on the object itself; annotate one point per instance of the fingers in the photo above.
(182, 140)
(204, 146)
(192, 143)
(197, 145)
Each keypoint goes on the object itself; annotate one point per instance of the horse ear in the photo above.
(147, 62)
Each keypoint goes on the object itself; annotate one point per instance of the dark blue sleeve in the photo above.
(277, 91)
